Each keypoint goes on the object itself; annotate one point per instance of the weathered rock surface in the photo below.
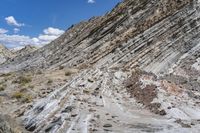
(25, 51)
(5, 54)
(9, 125)
(138, 72)
(149, 34)
(9, 54)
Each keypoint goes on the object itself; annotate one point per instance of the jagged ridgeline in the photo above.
(151, 34)
(134, 69)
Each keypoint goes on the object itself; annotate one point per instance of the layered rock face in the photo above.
(5, 54)
(149, 34)
(26, 50)
(9, 125)
(137, 62)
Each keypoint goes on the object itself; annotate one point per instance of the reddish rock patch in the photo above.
(171, 87)
(143, 95)
(146, 94)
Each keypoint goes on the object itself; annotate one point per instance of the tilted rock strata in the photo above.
(160, 37)
(148, 34)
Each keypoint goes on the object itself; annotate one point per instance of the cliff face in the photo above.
(135, 33)
(138, 60)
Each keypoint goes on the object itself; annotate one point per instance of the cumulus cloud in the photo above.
(91, 1)
(50, 34)
(16, 30)
(12, 21)
(3, 31)
(13, 41)
(53, 31)
(46, 37)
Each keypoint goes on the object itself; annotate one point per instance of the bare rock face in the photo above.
(138, 72)
(26, 50)
(149, 34)
(5, 54)
(9, 125)
(8, 55)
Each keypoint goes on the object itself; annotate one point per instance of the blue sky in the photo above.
(40, 21)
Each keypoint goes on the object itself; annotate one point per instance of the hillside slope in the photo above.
(135, 33)
(5, 54)
(137, 70)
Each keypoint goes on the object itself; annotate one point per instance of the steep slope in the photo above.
(138, 72)
(9, 54)
(26, 50)
(5, 54)
(135, 33)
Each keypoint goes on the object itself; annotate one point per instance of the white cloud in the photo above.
(3, 31)
(50, 34)
(16, 30)
(11, 21)
(91, 1)
(53, 31)
(13, 41)
(47, 37)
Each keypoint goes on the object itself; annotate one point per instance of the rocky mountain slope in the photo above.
(25, 50)
(9, 54)
(135, 69)
(5, 54)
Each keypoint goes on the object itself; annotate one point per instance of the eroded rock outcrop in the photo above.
(138, 72)
(149, 34)
(9, 125)
(5, 54)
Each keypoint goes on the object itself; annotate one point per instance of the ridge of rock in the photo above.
(135, 69)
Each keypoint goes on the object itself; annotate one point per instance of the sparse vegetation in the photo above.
(18, 95)
(61, 67)
(25, 98)
(86, 91)
(6, 75)
(31, 86)
(22, 80)
(23, 90)
(83, 66)
(2, 87)
(39, 72)
(68, 73)
(49, 81)
(1, 100)
(90, 80)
